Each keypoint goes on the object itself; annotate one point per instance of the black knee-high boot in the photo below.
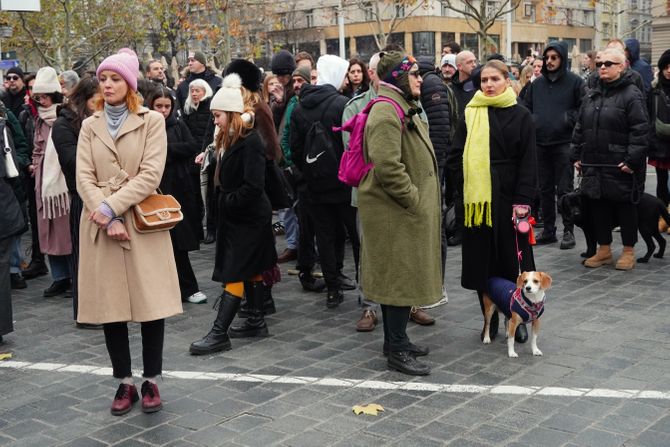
(493, 329)
(217, 339)
(268, 304)
(255, 325)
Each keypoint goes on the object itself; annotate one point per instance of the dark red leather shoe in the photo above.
(151, 398)
(124, 399)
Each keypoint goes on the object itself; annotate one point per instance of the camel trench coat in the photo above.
(132, 280)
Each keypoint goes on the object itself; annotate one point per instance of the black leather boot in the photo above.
(268, 304)
(521, 334)
(217, 339)
(255, 325)
(406, 363)
(58, 288)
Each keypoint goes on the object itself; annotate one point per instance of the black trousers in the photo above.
(662, 186)
(306, 248)
(76, 208)
(188, 284)
(212, 200)
(604, 212)
(6, 315)
(29, 185)
(395, 320)
(116, 339)
(556, 179)
(330, 221)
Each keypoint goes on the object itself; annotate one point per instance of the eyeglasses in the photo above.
(553, 57)
(607, 64)
(12, 77)
(39, 98)
(415, 73)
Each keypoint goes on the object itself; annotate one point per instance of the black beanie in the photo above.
(664, 60)
(17, 71)
(249, 73)
(283, 63)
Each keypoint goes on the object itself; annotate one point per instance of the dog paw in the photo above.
(537, 352)
(487, 340)
(512, 355)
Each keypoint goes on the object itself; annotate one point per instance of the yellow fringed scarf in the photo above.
(476, 156)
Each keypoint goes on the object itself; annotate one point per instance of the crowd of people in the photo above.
(460, 152)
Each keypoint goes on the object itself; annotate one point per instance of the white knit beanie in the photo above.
(46, 81)
(229, 97)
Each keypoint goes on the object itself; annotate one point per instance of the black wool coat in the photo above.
(612, 128)
(245, 244)
(491, 251)
(176, 181)
(65, 136)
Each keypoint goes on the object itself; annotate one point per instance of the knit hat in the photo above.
(664, 60)
(15, 70)
(393, 69)
(123, 64)
(198, 56)
(46, 81)
(283, 63)
(495, 57)
(303, 72)
(251, 75)
(449, 59)
(229, 97)
(332, 70)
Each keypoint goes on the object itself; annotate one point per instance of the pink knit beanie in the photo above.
(123, 64)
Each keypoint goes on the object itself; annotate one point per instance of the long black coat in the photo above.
(181, 151)
(612, 128)
(65, 136)
(245, 244)
(489, 252)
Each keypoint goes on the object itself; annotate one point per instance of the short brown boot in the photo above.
(627, 259)
(602, 257)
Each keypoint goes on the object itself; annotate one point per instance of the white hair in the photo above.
(189, 107)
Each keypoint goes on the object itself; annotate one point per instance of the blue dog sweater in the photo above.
(508, 298)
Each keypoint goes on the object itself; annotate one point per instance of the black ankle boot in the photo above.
(521, 334)
(255, 325)
(406, 363)
(217, 339)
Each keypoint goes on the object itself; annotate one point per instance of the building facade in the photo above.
(660, 29)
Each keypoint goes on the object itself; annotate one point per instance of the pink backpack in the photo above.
(352, 165)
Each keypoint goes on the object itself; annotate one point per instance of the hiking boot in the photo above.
(627, 259)
(568, 240)
(602, 257)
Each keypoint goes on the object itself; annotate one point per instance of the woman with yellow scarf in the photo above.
(494, 162)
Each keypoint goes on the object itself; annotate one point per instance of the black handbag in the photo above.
(277, 187)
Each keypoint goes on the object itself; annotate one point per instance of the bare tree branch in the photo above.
(48, 59)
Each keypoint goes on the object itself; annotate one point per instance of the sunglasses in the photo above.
(607, 64)
(12, 77)
(415, 73)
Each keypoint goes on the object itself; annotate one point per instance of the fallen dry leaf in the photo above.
(5, 356)
(371, 409)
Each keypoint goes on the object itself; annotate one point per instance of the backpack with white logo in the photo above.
(321, 159)
(353, 166)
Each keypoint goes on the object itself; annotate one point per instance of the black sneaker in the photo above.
(547, 237)
(17, 281)
(59, 287)
(334, 298)
(568, 241)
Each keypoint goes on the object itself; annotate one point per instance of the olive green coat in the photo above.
(399, 207)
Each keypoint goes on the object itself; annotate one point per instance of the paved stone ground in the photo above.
(602, 329)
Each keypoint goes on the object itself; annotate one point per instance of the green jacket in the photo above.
(285, 133)
(399, 209)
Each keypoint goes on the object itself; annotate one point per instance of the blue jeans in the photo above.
(291, 228)
(15, 258)
(60, 267)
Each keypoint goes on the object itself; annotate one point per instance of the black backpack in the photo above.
(322, 163)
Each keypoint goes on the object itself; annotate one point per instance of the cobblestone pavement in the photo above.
(603, 379)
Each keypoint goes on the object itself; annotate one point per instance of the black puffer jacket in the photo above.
(208, 76)
(324, 103)
(659, 112)
(198, 122)
(554, 100)
(612, 128)
(435, 102)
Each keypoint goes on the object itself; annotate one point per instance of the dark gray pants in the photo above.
(6, 325)
(556, 179)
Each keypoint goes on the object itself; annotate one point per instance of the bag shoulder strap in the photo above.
(399, 111)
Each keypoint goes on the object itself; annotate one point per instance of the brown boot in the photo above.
(602, 257)
(627, 259)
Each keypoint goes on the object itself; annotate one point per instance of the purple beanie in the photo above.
(123, 64)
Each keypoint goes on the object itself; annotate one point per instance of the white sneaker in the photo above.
(197, 298)
(444, 300)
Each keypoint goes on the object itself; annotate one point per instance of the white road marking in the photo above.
(354, 383)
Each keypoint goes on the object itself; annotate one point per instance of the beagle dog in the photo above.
(522, 302)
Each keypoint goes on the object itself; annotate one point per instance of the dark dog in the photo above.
(649, 210)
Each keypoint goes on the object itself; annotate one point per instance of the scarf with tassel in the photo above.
(477, 194)
(55, 198)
